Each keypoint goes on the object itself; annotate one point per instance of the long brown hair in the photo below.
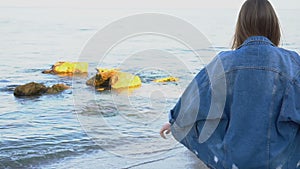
(257, 18)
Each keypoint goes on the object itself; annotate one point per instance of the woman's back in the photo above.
(263, 88)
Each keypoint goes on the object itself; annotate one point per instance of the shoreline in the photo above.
(179, 157)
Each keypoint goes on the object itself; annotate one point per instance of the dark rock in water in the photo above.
(57, 88)
(98, 82)
(36, 89)
(48, 71)
(30, 89)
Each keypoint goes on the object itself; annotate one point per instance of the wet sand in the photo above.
(177, 158)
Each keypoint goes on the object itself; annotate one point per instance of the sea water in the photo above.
(97, 129)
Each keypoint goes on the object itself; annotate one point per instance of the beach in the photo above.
(176, 158)
(84, 128)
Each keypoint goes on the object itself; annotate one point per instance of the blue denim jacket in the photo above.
(243, 109)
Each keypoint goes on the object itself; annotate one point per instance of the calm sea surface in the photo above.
(81, 128)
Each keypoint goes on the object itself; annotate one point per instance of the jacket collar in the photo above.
(256, 40)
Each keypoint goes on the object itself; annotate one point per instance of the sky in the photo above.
(160, 4)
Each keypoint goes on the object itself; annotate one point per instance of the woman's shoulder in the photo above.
(262, 57)
(290, 54)
(224, 59)
(226, 55)
(270, 51)
(287, 51)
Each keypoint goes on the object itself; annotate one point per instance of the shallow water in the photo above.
(81, 128)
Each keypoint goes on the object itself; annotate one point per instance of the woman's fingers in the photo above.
(165, 130)
(162, 133)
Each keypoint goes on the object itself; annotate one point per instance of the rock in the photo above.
(48, 71)
(102, 78)
(57, 88)
(68, 68)
(37, 89)
(113, 79)
(30, 89)
(167, 79)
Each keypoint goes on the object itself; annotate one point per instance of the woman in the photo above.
(255, 123)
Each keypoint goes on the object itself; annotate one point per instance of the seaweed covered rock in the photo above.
(113, 79)
(37, 89)
(166, 79)
(68, 68)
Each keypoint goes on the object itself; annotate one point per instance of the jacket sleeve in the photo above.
(187, 108)
(209, 86)
(291, 103)
(200, 108)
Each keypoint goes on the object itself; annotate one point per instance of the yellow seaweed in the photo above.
(125, 80)
(70, 67)
(167, 79)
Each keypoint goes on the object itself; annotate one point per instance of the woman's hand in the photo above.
(166, 129)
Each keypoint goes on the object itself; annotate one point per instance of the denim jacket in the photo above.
(243, 109)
